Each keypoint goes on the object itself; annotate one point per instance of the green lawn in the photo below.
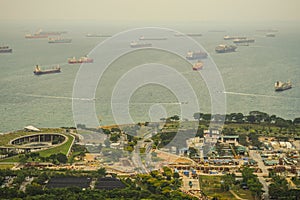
(11, 159)
(5, 166)
(59, 149)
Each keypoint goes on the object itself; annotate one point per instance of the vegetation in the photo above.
(153, 186)
(279, 189)
(212, 187)
(252, 182)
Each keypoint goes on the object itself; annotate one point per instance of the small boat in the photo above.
(198, 66)
(83, 59)
(38, 70)
(281, 86)
(5, 49)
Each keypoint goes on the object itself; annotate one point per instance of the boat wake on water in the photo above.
(260, 95)
(56, 97)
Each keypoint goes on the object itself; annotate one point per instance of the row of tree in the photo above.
(253, 117)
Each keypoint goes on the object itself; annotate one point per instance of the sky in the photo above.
(151, 10)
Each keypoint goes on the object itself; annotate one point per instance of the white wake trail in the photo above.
(260, 95)
(56, 97)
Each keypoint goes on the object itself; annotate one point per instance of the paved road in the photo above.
(255, 156)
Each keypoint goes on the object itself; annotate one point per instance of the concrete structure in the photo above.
(230, 139)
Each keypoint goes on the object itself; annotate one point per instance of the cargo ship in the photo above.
(96, 35)
(83, 59)
(237, 41)
(43, 34)
(280, 86)
(270, 35)
(38, 70)
(188, 34)
(152, 38)
(49, 33)
(139, 44)
(192, 55)
(194, 34)
(225, 48)
(5, 49)
(227, 37)
(59, 40)
(198, 66)
(35, 36)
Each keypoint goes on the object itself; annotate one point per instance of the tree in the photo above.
(114, 137)
(62, 158)
(34, 189)
(227, 181)
(198, 116)
(206, 117)
(101, 171)
(252, 181)
(296, 121)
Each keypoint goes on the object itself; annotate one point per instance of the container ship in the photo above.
(84, 59)
(38, 70)
(227, 37)
(59, 40)
(281, 86)
(224, 48)
(237, 41)
(5, 49)
(139, 44)
(198, 66)
(192, 55)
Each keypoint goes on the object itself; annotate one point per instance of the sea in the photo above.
(248, 74)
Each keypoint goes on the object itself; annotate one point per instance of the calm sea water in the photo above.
(45, 101)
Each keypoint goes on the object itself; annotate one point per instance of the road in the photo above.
(255, 156)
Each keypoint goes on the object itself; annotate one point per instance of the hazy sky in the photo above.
(152, 10)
